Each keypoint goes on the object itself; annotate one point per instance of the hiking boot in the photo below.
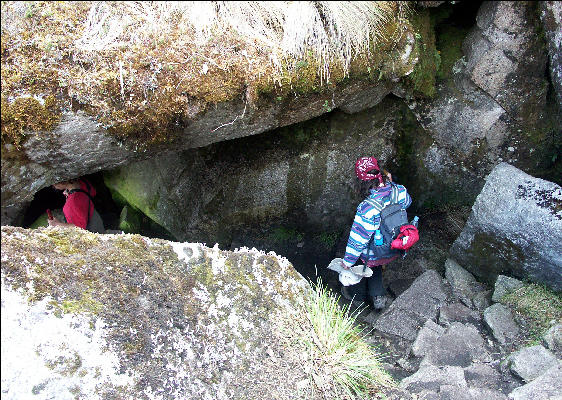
(345, 293)
(379, 302)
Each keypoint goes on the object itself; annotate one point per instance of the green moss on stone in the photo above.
(85, 304)
(27, 114)
(449, 48)
(422, 79)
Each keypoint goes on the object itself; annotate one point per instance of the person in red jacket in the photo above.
(79, 207)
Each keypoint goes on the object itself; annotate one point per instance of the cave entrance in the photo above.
(50, 198)
(112, 211)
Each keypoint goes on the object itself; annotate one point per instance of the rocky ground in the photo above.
(444, 335)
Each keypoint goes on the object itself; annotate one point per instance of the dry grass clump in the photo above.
(344, 364)
(332, 30)
(144, 69)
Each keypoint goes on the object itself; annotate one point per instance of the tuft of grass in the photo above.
(538, 306)
(332, 30)
(343, 361)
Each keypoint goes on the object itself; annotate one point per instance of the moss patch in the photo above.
(26, 114)
(422, 79)
(449, 48)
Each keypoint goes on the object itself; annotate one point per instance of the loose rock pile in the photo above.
(452, 338)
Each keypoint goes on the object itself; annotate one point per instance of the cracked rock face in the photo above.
(123, 316)
(507, 59)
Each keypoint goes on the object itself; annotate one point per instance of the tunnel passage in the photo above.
(115, 213)
(50, 198)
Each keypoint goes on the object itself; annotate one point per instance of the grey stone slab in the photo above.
(411, 309)
(424, 297)
(486, 394)
(465, 286)
(515, 229)
(460, 345)
(504, 285)
(458, 312)
(427, 337)
(530, 362)
(548, 386)
(482, 376)
(552, 340)
(500, 321)
(400, 323)
(482, 300)
(451, 392)
(431, 378)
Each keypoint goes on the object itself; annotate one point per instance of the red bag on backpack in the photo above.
(407, 237)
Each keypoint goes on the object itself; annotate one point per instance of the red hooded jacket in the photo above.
(76, 207)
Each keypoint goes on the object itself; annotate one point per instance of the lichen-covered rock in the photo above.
(547, 386)
(515, 229)
(490, 106)
(531, 362)
(468, 130)
(123, 316)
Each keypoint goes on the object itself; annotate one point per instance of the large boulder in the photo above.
(490, 106)
(80, 146)
(514, 229)
(70, 109)
(123, 316)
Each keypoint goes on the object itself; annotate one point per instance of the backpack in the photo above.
(397, 232)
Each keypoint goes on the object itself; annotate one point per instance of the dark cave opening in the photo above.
(50, 198)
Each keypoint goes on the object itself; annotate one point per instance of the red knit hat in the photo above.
(364, 165)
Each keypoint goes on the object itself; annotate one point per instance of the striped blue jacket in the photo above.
(367, 220)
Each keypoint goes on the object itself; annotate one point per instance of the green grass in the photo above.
(538, 305)
(283, 234)
(339, 350)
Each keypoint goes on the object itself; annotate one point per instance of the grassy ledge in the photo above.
(538, 306)
(145, 69)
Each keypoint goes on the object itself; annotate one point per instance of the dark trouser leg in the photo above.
(359, 290)
(374, 283)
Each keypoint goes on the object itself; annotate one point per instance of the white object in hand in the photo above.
(350, 276)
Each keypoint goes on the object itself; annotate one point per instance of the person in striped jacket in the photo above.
(374, 185)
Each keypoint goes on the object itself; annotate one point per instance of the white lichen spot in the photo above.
(223, 301)
(201, 293)
(186, 251)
